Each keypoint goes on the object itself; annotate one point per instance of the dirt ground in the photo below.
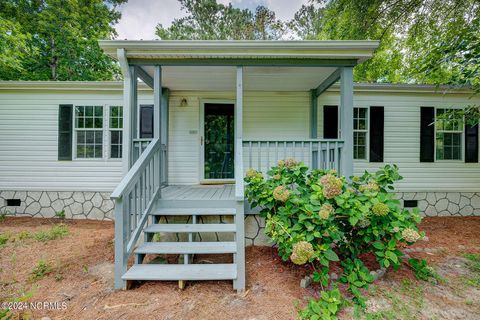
(80, 279)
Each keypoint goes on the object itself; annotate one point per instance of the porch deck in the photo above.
(199, 192)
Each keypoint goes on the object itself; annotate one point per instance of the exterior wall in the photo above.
(29, 168)
(402, 141)
(273, 115)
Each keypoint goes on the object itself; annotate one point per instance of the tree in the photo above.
(13, 48)
(209, 20)
(422, 41)
(62, 38)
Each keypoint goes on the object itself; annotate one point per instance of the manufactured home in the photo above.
(172, 141)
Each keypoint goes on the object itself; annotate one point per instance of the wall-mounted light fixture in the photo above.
(184, 103)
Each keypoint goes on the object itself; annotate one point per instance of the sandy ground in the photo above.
(81, 279)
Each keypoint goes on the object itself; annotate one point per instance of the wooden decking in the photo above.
(199, 192)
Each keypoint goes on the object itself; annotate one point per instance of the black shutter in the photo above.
(427, 134)
(471, 143)
(146, 121)
(330, 122)
(376, 134)
(65, 131)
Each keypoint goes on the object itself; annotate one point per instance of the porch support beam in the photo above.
(239, 257)
(284, 62)
(157, 120)
(313, 114)
(129, 108)
(144, 76)
(346, 105)
(327, 83)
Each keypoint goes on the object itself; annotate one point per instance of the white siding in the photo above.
(267, 115)
(29, 133)
(402, 141)
(29, 137)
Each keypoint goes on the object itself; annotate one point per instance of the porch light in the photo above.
(183, 103)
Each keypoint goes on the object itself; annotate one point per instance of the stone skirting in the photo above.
(433, 204)
(98, 206)
(45, 204)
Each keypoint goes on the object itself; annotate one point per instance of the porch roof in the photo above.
(235, 52)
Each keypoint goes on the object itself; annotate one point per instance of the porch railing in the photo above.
(134, 199)
(315, 153)
(139, 146)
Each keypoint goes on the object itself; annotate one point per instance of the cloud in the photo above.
(140, 17)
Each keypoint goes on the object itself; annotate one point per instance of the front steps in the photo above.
(189, 270)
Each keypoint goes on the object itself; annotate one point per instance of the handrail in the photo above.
(262, 154)
(239, 186)
(129, 180)
(135, 198)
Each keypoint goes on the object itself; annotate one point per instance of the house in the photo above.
(172, 142)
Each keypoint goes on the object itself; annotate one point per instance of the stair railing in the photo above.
(134, 200)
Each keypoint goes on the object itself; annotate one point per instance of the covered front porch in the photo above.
(219, 108)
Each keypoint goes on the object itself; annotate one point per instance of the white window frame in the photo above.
(462, 138)
(367, 135)
(106, 142)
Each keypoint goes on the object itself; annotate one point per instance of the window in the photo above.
(89, 131)
(448, 136)
(360, 129)
(116, 135)
(98, 129)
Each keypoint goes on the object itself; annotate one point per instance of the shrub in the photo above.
(60, 214)
(41, 269)
(324, 308)
(341, 219)
(423, 271)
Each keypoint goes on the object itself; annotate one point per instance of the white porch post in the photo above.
(346, 105)
(157, 130)
(239, 257)
(129, 109)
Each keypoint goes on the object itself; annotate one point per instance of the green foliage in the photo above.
(56, 232)
(60, 214)
(473, 264)
(4, 238)
(41, 269)
(423, 271)
(325, 308)
(341, 219)
(209, 20)
(56, 39)
(426, 41)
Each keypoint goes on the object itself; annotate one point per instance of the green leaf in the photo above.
(331, 255)
(378, 245)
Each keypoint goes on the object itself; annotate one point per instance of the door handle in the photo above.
(201, 140)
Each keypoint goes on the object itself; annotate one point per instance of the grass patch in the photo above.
(473, 264)
(4, 238)
(41, 269)
(56, 232)
(403, 301)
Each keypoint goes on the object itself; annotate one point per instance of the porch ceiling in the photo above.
(255, 78)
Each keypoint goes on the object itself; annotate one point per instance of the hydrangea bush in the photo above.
(315, 216)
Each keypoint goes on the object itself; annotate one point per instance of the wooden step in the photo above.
(194, 211)
(181, 272)
(177, 227)
(186, 247)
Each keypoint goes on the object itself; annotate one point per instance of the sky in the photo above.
(140, 17)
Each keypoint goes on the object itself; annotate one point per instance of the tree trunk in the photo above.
(53, 61)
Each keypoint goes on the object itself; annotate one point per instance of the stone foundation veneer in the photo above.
(44, 204)
(433, 204)
(98, 206)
